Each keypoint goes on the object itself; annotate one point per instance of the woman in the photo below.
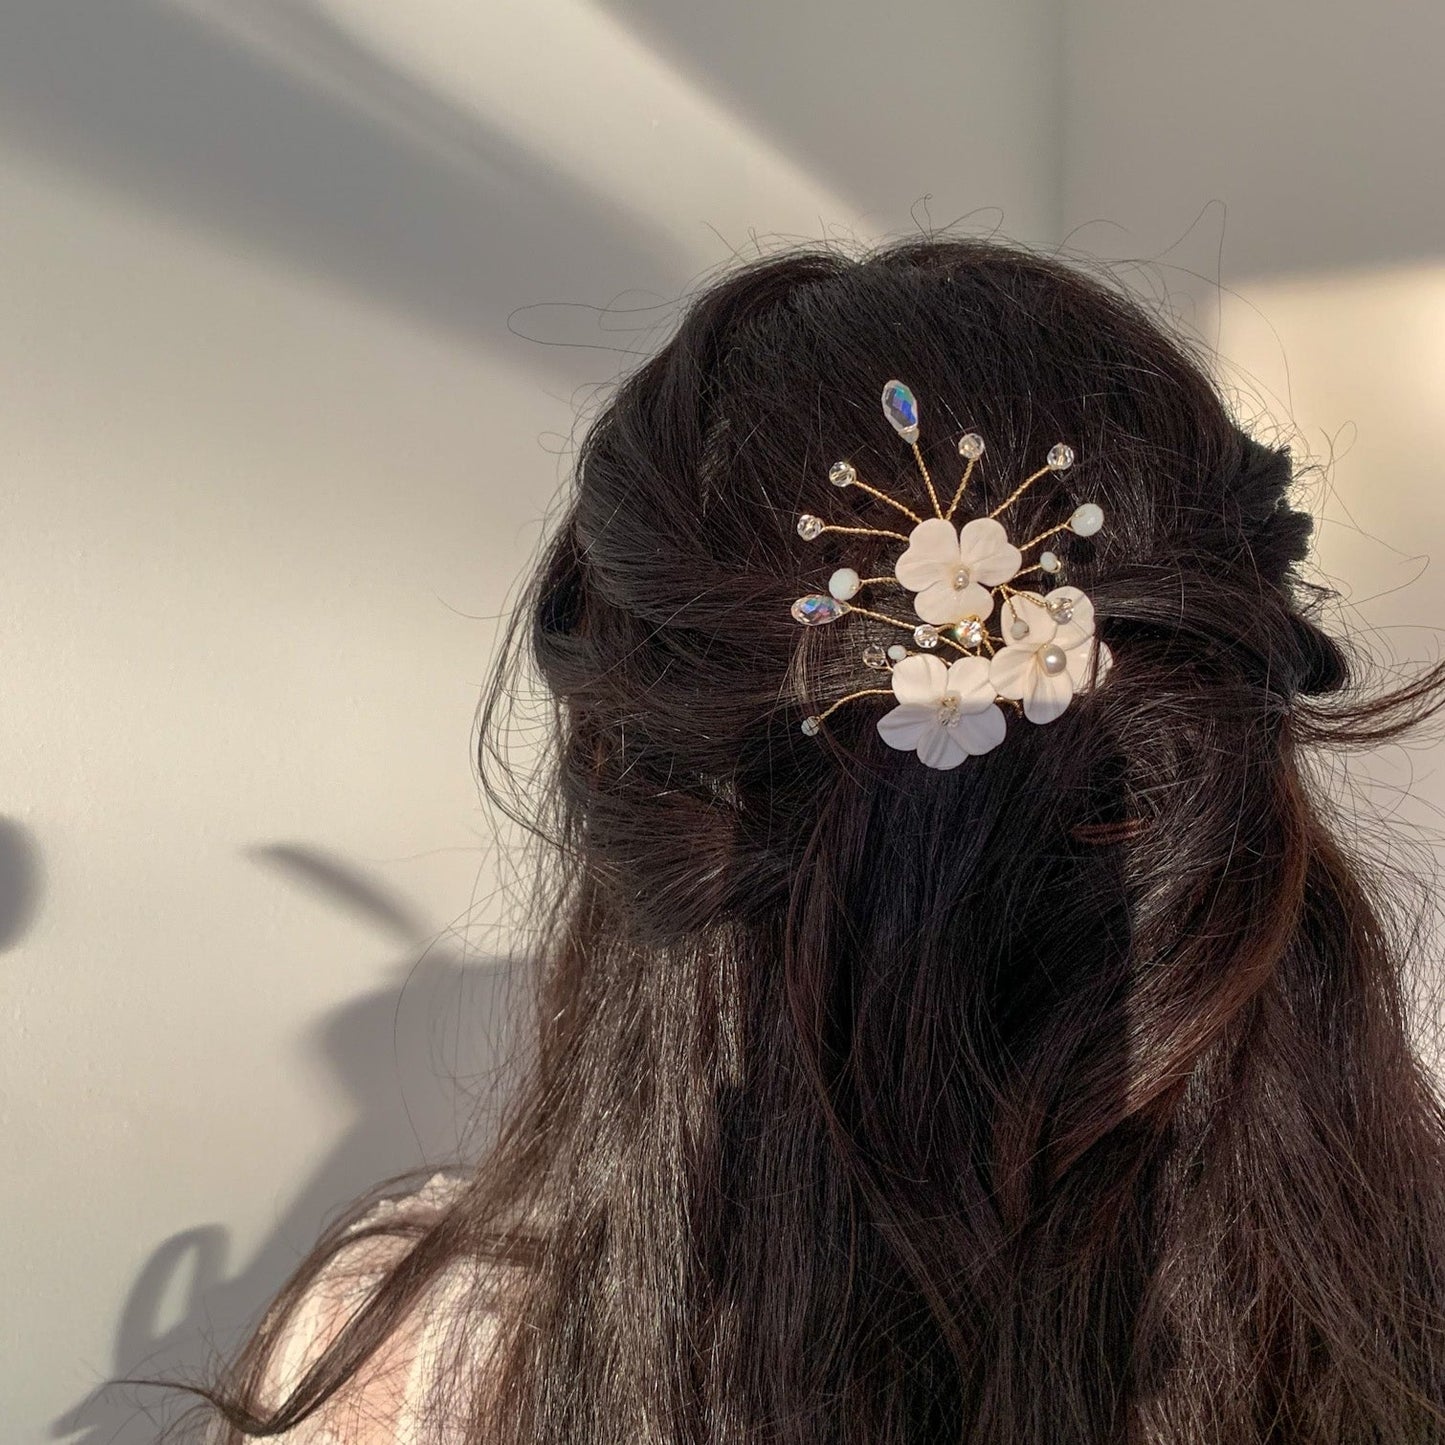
(1013, 1052)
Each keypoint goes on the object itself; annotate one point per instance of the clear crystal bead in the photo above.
(809, 526)
(810, 725)
(842, 474)
(926, 635)
(817, 608)
(1061, 609)
(900, 406)
(1060, 457)
(970, 445)
(875, 657)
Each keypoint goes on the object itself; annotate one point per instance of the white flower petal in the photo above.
(980, 732)
(1081, 625)
(969, 678)
(919, 678)
(1047, 697)
(1081, 664)
(942, 603)
(987, 552)
(932, 554)
(1010, 668)
(940, 748)
(904, 726)
(1029, 609)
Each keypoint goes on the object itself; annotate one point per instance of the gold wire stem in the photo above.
(862, 692)
(907, 626)
(865, 531)
(1017, 592)
(868, 581)
(927, 480)
(1019, 490)
(962, 485)
(1044, 536)
(884, 497)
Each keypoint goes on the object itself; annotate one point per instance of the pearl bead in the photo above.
(961, 577)
(844, 583)
(1053, 659)
(1087, 519)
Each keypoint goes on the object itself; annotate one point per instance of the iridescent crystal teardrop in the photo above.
(817, 608)
(900, 406)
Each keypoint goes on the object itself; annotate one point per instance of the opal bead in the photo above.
(1087, 519)
(844, 583)
(1049, 561)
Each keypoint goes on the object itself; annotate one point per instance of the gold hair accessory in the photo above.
(1044, 650)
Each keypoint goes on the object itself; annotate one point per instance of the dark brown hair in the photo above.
(1065, 1096)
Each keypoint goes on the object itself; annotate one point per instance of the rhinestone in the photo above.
(841, 474)
(875, 657)
(1053, 659)
(926, 635)
(1049, 561)
(972, 633)
(970, 445)
(897, 652)
(948, 708)
(1060, 457)
(844, 583)
(1061, 609)
(816, 609)
(1087, 519)
(810, 725)
(810, 526)
(900, 406)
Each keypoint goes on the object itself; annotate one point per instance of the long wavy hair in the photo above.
(1064, 1096)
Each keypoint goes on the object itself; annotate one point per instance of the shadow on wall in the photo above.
(365, 178)
(404, 1085)
(21, 884)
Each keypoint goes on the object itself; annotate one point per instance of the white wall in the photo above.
(274, 462)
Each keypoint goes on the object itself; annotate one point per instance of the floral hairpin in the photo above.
(1044, 650)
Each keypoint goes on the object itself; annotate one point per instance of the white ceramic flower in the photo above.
(951, 571)
(946, 711)
(1049, 651)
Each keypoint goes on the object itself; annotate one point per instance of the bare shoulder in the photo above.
(384, 1402)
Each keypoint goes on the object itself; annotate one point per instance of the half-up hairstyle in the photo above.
(1063, 1097)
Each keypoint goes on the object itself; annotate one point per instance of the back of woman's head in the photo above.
(1062, 1095)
